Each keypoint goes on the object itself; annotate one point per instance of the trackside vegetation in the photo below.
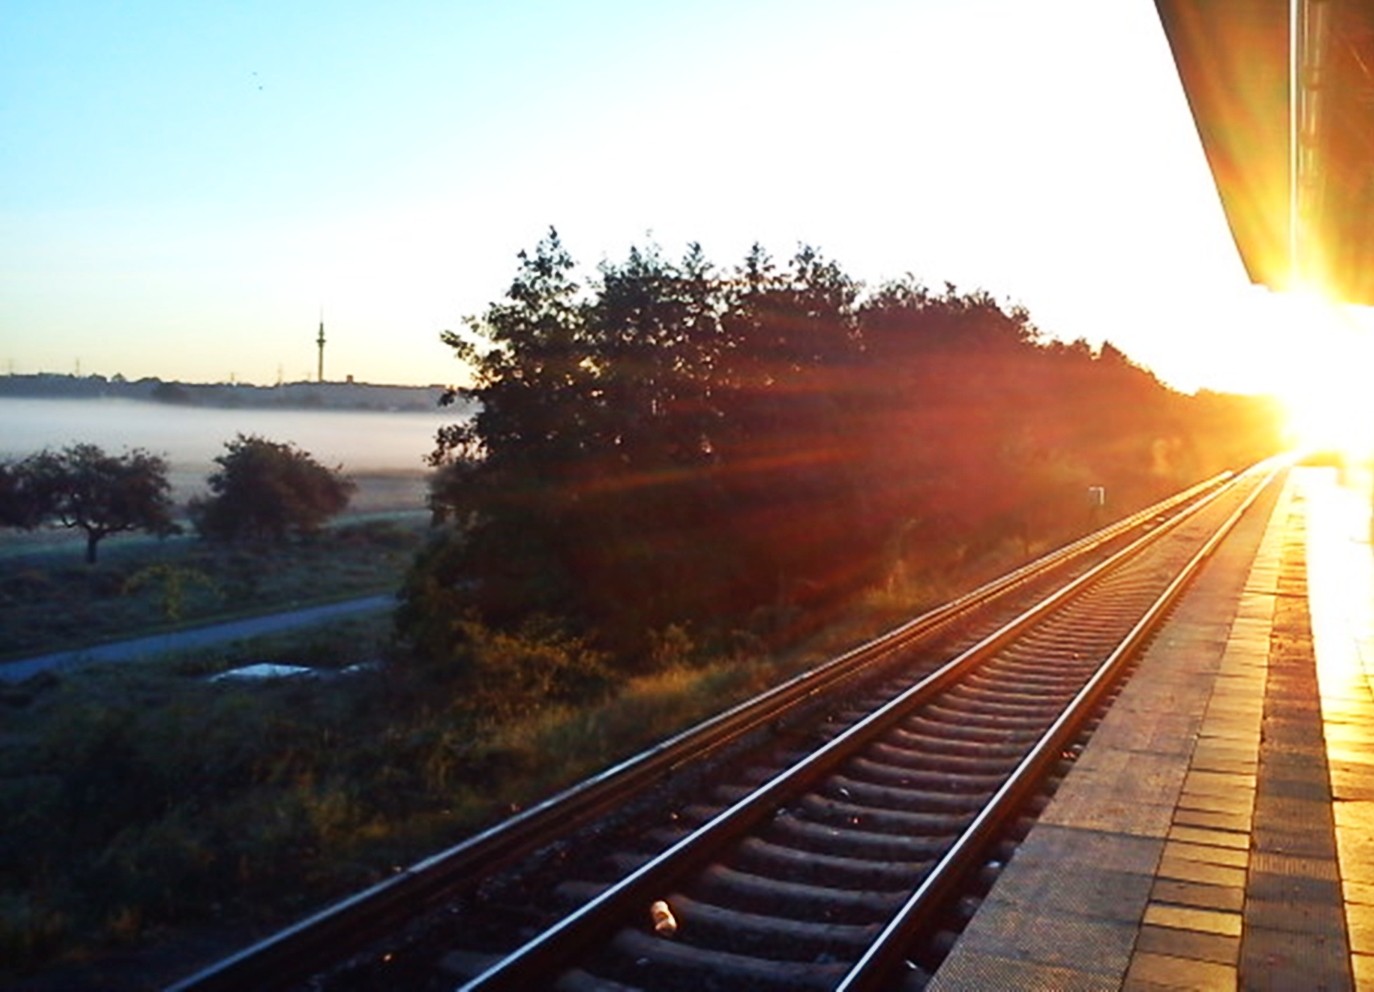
(51, 601)
(682, 482)
(745, 448)
(145, 801)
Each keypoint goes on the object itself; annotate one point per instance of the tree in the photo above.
(666, 442)
(20, 505)
(785, 386)
(662, 443)
(83, 487)
(510, 475)
(264, 490)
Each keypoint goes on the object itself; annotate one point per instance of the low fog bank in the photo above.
(383, 452)
(362, 441)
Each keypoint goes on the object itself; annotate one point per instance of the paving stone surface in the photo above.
(1341, 593)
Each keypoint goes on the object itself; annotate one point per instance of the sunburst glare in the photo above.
(1326, 386)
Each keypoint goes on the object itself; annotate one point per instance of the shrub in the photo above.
(267, 490)
(507, 674)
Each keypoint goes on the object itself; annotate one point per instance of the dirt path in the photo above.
(181, 640)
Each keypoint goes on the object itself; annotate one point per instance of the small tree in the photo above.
(83, 487)
(265, 490)
(20, 505)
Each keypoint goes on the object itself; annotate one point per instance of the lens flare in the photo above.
(1328, 384)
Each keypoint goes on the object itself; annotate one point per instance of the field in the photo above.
(162, 819)
(51, 601)
(157, 819)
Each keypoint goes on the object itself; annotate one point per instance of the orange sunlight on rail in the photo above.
(1328, 381)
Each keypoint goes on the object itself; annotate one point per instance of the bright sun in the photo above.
(1328, 383)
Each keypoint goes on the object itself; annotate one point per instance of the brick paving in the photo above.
(1341, 579)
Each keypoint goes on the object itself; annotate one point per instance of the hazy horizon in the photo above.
(120, 375)
(189, 437)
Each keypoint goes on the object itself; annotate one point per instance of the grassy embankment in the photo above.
(147, 799)
(51, 601)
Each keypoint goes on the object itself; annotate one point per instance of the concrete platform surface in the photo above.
(1218, 830)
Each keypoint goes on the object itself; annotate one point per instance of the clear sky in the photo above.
(184, 185)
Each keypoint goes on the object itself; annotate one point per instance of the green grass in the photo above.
(50, 600)
(146, 798)
(149, 798)
(136, 795)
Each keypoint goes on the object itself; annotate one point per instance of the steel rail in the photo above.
(533, 962)
(886, 952)
(306, 946)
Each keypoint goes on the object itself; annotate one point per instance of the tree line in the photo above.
(670, 442)
(261, 490)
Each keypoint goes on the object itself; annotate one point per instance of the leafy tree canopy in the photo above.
(82, 487)
(20, 504)
(668, 441)
(266, 490)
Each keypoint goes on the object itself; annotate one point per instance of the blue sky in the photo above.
(184, 185)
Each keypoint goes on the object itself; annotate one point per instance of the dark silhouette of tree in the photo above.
(670, 442)
(20, 505)
(84, 488)
(661, 431)
(785, 387)
(645, 492)
(266, 490)
(508, 475)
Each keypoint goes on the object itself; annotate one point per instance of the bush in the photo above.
(506, 675)
(265, 490)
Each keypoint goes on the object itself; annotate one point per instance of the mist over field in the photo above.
(364, 443)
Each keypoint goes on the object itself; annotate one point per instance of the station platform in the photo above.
(1218, 830)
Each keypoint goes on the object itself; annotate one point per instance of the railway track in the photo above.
(837, 859)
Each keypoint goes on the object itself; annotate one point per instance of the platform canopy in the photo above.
(1282, 92)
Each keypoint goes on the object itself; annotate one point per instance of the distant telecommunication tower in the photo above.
(320, 342)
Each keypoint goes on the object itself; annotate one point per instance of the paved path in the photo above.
(181, 640)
